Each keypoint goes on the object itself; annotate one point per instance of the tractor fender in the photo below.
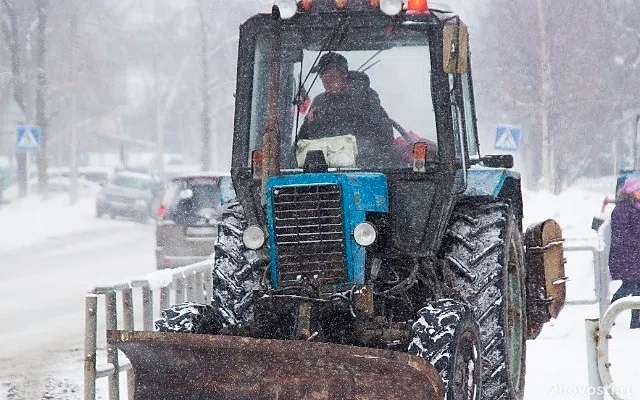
(545, 274)
(497, 182)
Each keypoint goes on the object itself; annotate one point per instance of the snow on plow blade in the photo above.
(172, 366)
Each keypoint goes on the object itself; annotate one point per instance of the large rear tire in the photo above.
(485, 246)
(447, 335)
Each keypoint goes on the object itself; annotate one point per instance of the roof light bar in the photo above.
(287, 8)
(391, 7)
(417, 7)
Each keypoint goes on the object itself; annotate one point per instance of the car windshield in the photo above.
(205, 197)
(132, 182)
(368, 120)
(191, 203)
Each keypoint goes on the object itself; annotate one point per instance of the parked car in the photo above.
(130, 194)
(187, 219)
(62, 184)
(99, 175)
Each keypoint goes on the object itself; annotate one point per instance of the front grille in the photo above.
(308, 233)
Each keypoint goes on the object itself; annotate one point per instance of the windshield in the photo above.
(203, 201)
(205, 197)
(364, 104)
(132, 182)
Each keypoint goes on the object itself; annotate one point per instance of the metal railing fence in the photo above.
(168, 286)
(601, 277)
(598, 335)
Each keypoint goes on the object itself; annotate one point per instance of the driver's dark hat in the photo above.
(331, 60)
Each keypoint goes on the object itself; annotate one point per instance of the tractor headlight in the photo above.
(365, 234)
(253, 237)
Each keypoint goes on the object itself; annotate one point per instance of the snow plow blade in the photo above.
(177, 366)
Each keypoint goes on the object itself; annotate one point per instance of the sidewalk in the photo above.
(31, 220)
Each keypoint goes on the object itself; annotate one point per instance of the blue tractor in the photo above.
(352, 267)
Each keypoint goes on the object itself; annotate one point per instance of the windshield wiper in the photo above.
(360, 68)
(338, 33)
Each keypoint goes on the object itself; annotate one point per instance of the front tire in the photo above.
(235, 276)
(189, 317)
(484, 245)
(446, 334)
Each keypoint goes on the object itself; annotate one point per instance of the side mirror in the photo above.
(455, 47)
(498, 161)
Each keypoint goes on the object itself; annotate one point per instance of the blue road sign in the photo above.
(507, 137)
(27, 138)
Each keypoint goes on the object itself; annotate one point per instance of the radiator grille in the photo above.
(308, 233)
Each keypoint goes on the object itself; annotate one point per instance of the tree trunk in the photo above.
(10, 28)
(159, 118)
(206, 94)
(545, 93)
(41, 92)
(73, 189)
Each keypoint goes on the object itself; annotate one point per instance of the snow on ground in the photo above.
(31, 220)
(556, 360)
(51, 253)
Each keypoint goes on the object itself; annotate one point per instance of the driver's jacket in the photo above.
(355, 113)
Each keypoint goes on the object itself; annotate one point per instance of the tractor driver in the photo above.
(343, 109)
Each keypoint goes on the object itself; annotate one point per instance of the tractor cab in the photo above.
(405, 115)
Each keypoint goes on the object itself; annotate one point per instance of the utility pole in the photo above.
(156, 94)
(73, 190)
(206, 93)
(548, 164)
(120, 133)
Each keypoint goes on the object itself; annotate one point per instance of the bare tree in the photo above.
(206, 94)
(111, 79)
(564, 86)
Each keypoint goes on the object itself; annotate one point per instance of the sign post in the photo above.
(27, 141)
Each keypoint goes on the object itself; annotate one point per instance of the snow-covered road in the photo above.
(44, 289)
(44, 279)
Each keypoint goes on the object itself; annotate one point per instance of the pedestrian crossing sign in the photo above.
(27, 138)
(507, 137)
